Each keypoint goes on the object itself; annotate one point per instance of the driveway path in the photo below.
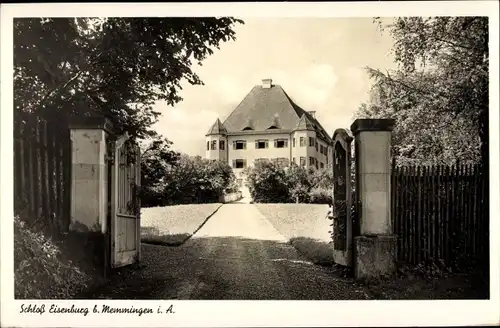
(237, 254)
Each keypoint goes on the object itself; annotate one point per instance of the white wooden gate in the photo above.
(125, 206)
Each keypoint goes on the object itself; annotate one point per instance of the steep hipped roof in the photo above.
(266, 106)
(262, 106)
(217, 128)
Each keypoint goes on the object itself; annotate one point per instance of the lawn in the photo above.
(306, 227)
(173, 225)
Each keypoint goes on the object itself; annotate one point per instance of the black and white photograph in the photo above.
(165, 157)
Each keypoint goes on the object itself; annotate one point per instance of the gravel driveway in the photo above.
(236, 255)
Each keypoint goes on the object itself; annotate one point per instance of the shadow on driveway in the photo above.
(230, 268)
(233, 268)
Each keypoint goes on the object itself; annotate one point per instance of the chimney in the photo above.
(312, 113)
(267, 83)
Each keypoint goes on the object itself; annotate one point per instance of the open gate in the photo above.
(342, 198)
(125, 175)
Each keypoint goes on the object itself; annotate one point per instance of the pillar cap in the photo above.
(368, 124)
(92, 122)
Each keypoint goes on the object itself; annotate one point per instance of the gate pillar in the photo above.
(375, 244)
(89, 199)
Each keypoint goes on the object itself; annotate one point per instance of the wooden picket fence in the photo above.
(42, 170)
(440, 214)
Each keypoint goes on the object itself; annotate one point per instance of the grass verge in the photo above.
(306, 228)
(174, 225)
(316, 251)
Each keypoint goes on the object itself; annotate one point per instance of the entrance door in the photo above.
(125, 206)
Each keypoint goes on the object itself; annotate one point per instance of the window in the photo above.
(280, 143)
(214, 144)
(239, 144)
(208, 145)
(321, 149)
(294, 161)
(316, 145)
(302, 161)
(311, 142)
(311, 160)
(239, 163)
(293, 142)
(322, 165)
(221, 144)
(326, 159)
(261, 144)
(302, 142)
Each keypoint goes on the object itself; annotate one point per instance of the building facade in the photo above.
(268, 125)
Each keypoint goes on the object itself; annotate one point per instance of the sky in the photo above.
(319, 62)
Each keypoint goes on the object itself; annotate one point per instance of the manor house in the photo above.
(269, 125)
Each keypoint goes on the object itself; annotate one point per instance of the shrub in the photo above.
(321, 196)
(270, 183)
(188, 180)
(267, 183)
(42, 268)
(298, 183)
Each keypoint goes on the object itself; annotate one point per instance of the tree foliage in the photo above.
(271, 183)
(171, 178)
(115, 66)
(439, 92)
(157, 160)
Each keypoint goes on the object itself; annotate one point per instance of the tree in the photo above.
(442, 77)
(423, 134)
(172, 178)
(157, 159)
(118, 67)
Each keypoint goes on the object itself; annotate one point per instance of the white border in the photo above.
(252, 313)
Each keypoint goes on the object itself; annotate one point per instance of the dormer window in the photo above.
(249, 125)
(275, 124)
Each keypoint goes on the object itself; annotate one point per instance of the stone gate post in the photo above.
(375, 244)
(89, 177)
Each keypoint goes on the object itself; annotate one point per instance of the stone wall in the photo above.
(230, 197)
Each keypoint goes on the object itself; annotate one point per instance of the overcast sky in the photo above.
(318, 61)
